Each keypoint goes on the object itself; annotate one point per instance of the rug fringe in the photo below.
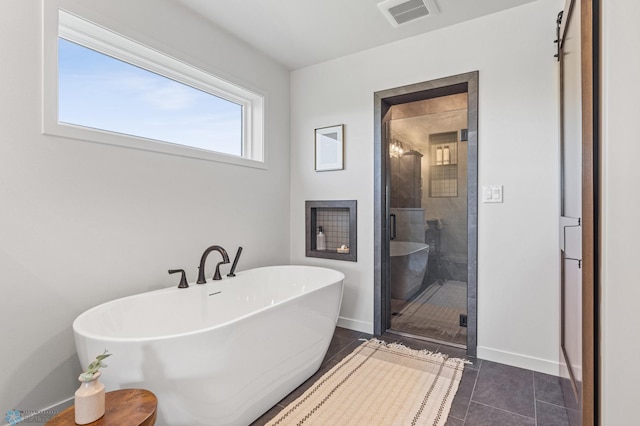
(402, 347)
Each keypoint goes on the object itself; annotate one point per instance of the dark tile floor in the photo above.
(490, 394)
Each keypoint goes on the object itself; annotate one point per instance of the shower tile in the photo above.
(456, 269)
(335, 224)
(435, 313)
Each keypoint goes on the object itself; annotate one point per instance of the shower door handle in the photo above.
(392, 219)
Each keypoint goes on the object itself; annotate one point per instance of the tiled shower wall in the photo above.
(335, 223)
(409, 224)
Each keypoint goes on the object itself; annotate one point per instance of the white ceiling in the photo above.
(299, 33)
(414, 132)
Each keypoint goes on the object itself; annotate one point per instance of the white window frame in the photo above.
(61, 23)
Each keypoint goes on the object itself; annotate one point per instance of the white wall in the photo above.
(518, 300)
(82, 223)
(620, 286)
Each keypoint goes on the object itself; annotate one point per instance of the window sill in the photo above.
(150, 145)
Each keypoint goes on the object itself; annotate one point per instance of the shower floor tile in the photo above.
(433, 313)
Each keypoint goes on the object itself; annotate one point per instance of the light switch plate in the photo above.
(492, 193)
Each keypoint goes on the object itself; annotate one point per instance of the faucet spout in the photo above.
(203, 260)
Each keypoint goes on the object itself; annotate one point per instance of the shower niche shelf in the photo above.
(443, 168)
(338, 219)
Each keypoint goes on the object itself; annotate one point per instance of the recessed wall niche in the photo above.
(338, 219)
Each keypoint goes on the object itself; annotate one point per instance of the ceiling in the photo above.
(413, 123)
(414, 132)
(299, 33)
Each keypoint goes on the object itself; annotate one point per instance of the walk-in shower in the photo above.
(428, 181)
(427, 195)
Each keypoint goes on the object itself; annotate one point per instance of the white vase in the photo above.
(89, 400)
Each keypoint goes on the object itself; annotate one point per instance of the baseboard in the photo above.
(519, 360)
(357, 325)
(41, 417)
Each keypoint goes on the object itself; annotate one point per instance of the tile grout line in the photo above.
(502, 409)
(552, 404)
(536, 399)
(473, 390)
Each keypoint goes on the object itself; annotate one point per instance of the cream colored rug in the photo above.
(379, 384)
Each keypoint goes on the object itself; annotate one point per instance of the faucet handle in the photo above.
(183, 278)
(217, 275)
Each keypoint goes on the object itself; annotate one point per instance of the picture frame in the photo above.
(329, 148)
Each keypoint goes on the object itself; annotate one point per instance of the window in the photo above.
(101, 92)
(110, 89)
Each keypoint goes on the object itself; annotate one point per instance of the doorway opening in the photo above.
(426, 210)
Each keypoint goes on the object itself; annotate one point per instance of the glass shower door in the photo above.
(428, 202)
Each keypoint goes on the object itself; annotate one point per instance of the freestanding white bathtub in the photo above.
(220, 353)
(408, 267)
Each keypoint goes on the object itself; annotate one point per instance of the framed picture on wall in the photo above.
(329, 148)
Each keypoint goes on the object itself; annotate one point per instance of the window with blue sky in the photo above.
(100, 92)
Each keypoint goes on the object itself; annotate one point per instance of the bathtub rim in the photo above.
(94, 336)
(418, 247)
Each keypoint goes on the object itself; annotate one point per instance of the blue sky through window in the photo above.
(101, 92)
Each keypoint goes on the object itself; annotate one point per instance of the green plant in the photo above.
(94, 367)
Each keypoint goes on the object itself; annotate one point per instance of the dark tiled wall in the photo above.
(406, 180)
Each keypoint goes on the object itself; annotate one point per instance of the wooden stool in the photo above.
(125, 407)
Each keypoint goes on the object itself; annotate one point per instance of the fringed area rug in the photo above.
(379, 384)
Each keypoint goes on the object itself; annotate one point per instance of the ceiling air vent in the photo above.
(400, 12)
